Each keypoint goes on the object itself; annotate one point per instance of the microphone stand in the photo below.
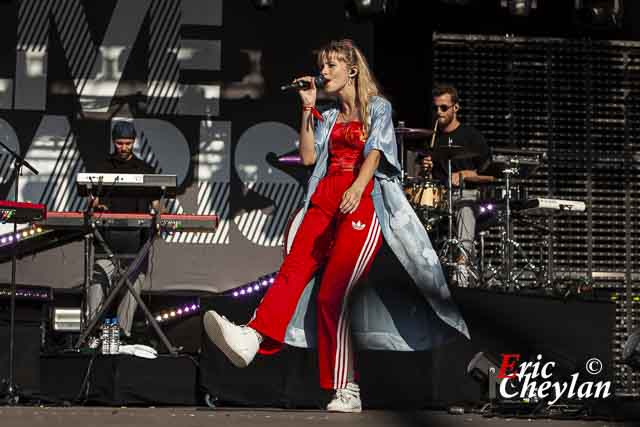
(10, 391)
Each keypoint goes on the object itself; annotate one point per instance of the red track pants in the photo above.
(346, 245)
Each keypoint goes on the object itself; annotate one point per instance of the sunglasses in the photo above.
(442, 107)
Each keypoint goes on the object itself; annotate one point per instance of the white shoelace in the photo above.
(344, 395)
(245, 329)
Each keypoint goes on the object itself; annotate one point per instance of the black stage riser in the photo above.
(26, 356)
(567, 332)
(120, 380)
(29, 320)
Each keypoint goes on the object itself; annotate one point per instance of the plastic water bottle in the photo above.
(115, 336)
(105, 336)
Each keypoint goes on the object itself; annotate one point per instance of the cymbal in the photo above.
(412, 133)
(446, 152)
(418, 145)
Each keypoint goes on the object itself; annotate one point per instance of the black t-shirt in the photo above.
(125, 204)
(120, 241)
(472, 141)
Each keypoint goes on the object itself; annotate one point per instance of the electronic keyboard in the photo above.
(126, 185)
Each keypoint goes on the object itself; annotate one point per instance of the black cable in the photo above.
(86, 384)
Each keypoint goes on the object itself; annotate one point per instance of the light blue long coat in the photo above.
(386, 318)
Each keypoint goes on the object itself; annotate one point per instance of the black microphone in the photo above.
(302, 84)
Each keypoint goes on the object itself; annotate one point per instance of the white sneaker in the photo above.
(346, 399)
(239, 343)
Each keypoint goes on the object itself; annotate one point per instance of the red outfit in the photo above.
(345, 244)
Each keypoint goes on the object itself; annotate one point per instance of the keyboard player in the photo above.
(123, 243)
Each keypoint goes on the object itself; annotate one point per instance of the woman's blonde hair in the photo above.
(366, 86)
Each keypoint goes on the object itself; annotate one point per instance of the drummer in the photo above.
(465, 178)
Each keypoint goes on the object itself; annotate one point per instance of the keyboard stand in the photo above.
(125, 281)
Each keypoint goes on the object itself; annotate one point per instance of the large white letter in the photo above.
(90, 65)
(169, 53)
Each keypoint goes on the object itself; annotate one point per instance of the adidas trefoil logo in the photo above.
(357, 225)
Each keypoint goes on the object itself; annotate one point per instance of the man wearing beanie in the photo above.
(125, 244)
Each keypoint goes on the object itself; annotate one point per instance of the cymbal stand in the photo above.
(402, 154)
(508, 244)
(487, 273)
(481, 265)
(452, 243)
(550, 274)
(544, 271)
(507, 253)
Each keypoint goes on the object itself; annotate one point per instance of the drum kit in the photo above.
(433, 202)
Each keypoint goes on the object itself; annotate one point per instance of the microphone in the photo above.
(288, 159)
(301, 84)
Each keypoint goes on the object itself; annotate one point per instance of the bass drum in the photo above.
(291, 229)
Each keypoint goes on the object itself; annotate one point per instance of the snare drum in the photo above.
(426, 194)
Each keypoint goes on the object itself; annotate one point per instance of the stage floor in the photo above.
(221, 417)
